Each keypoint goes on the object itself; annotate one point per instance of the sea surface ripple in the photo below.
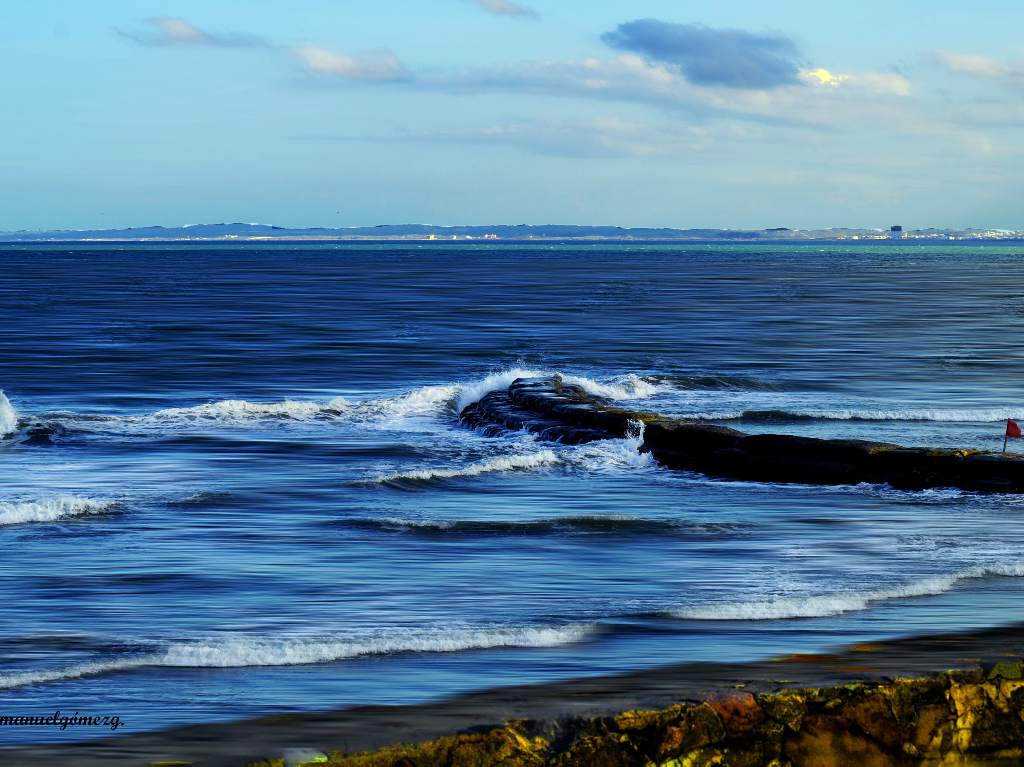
(239, 466)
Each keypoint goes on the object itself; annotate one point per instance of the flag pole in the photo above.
(1006, 435)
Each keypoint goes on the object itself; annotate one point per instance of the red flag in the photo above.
(1012, 428)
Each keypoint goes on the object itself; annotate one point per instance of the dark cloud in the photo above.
(731, 58)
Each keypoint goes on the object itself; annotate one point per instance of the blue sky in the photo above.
(646, 113)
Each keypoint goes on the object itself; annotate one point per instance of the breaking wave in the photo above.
(51, 509)
(425, 401)
(838, 603)
(474, 392)
(243, 651)
(504, 463)
(611, 454)
(627, 387)
(8, 416)
(608, 455)
(240, 410)
(428, 400)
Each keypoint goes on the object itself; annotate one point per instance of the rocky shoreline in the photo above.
(555, 410)
(945, 699)
(956, 718)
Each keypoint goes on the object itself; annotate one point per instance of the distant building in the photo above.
(896, 232)
(490, 236)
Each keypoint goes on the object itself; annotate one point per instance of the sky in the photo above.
(694, 113)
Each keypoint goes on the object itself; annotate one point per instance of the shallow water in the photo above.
(258, 490)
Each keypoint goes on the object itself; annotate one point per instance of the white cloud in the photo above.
(976, 65)
(381, 66)
(882, 83)
(504, 8)
(181, 31)
(877, 83)
(174, 31)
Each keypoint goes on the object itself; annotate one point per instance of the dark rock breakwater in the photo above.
(558, 411)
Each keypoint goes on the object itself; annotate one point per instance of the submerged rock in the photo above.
(567, 413)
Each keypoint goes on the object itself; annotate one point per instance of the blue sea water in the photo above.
(256, 497)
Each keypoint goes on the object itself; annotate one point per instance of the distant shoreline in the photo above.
(521, 240)
(240, 232)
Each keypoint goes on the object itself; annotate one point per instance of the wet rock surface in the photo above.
(566, 413)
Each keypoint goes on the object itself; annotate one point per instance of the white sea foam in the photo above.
(503, 463)
(474, 392)
(241, 410)
(951, 415)
(931, 495)
(51, 509)
(397, 410)
(842, 602)
(611, 455)
(427, 400)
(627, 387)
(8, 416)
(954, 415)
(245, 651)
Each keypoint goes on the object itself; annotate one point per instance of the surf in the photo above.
(262, 651)
(52, 509)
(838, 603)
(8, 416)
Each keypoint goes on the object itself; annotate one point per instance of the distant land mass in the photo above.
(261, 232)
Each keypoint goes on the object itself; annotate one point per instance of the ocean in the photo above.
(234, 481)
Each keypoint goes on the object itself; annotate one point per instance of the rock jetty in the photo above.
(563, 412)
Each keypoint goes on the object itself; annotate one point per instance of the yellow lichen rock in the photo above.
(957, 718)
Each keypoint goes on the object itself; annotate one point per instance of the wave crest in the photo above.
(626, 387)
(244, 651)
(241, 410)
(394, 410)
(8, 416)
(623, 387)
(51, 509)
(842, 602)
(474, 392)
(504, 463)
